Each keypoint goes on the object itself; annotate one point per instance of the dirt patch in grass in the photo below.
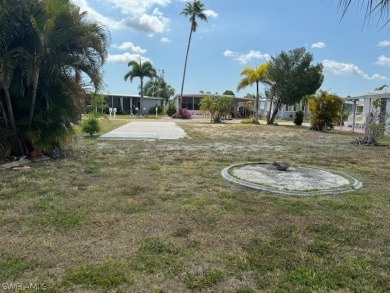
(137, 216)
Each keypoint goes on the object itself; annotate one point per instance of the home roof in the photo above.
(214, 95)
(383, 94)
(132, 96)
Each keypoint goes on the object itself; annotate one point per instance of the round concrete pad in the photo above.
(294, 181)
(146, 130)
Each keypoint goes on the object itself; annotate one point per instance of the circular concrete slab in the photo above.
(295, 181)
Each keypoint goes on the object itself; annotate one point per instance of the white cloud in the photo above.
(165, 40)
(134, 14)
(229, 53)
(211, 13)
(155, 23)
(345, 69)
(318, 45)
(130, 46)
(245, 58)
(126, 58)
(383, 60)
(384, 43)
(137, 7)
(93, 14)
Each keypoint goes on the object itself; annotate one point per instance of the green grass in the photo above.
(135, 216)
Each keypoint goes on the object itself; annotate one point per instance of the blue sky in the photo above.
(356, 56)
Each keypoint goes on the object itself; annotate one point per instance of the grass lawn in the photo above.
(135, 216)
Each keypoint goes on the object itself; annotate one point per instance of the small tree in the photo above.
(218, 106)
(325, 110)
(293, 76)
(91, 126)
(298, 117)
(171, 110)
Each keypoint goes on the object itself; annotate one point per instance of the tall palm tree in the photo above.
(195, 10)
(252, 76)
(141, 70)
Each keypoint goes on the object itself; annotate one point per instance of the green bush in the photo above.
(91, 126)
(298, 117)
(325, 109)
(171, 110)
(152, 111)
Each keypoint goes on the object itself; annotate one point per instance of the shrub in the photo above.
(183, 114)
(171, 110)
(298, 117)
(152, 110)
(325, 109)
(91, 126)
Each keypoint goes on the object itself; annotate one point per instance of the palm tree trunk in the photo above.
(257, 103)
(10, 110)
(185, 68)
(141, 103)
(4, 114)
(34, 97)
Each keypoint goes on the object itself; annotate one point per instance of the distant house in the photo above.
(242, 107)
(130, 104)
(369, 108)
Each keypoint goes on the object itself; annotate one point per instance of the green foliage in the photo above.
(218, 106)
(251, 76)
(298, 117)
(12, 267)
(152, 110)
(325, 109)
(158, 87)
(228, 93)
(107, 275)
(91, 126)
(141, 70)
(49, 50)
(171, 109)
(293, 77)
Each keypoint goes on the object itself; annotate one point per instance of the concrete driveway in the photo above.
(146, 130)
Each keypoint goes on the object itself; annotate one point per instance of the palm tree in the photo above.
(195, 10)
(380, 7)
(140, 70)
(54, 45)
(158, 87)
(254, 76)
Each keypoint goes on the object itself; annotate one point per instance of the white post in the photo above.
(156, 111)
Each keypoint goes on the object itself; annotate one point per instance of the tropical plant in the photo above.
(298, 117)
(258, 75)
(379, 8)
(141, 70)
(158, 87)
(171, 109)
(195, 10)
(325, 110)
(50, 53)
(293, 77)
(91, 126)
(218, 106)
